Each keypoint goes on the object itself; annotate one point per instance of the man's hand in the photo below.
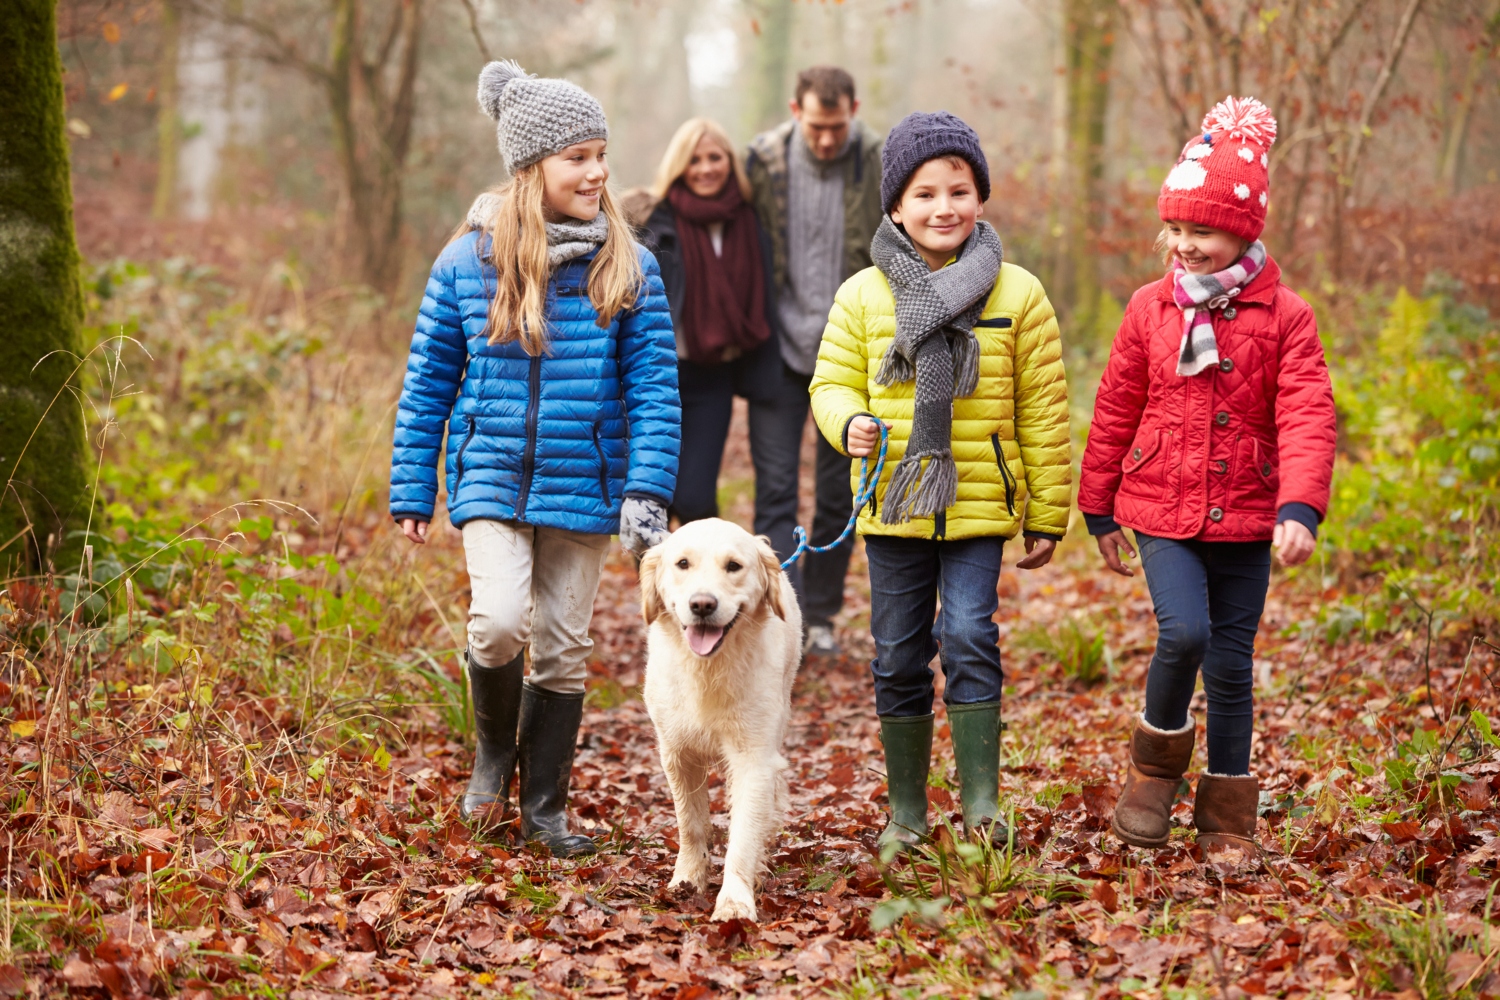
(1038, 553)
(414, 529)
(863, 436)
(1110, 547)
(1294, 543)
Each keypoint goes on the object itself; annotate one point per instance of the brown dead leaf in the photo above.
(81, 975)
(1462, 967)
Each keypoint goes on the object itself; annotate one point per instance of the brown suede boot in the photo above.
(1224, 813)
(1143, 814)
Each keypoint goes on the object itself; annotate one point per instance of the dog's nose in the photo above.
(703, 605)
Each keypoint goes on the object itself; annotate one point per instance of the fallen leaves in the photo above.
(242, 855)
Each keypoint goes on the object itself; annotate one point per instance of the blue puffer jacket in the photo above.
(556, 441)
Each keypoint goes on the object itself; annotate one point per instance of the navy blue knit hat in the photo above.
(923, 136)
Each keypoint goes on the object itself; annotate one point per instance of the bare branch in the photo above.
(1383, 80)
(484, 50)
(272, 46)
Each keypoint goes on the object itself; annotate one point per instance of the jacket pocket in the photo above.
(1143, 464)
(458, 462)
(1142, 453)
(603, 465)
(1257, 477)
(1005, 476)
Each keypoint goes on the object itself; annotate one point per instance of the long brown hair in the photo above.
(518, 248)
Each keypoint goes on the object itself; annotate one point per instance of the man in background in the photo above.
(816, 189)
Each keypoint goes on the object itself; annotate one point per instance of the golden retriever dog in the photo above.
(723, 639)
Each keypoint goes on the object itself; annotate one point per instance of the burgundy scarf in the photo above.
(725, 301)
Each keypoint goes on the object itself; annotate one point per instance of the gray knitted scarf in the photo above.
(565, 240)
(935, 345)
(574, 238)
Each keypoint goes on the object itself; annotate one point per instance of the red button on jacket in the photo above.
(1167, 452)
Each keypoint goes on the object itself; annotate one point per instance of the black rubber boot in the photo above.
(908, 757)
(496, 694)
(976, 751)
(549, 735)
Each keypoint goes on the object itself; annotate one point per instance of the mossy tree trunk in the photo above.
(41, 300)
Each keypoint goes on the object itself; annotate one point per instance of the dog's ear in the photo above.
(771, 567)
(651, 603)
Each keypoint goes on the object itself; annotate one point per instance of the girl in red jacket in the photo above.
(1213, 438)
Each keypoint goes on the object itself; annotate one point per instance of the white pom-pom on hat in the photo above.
(1242, 118)
(492, 82)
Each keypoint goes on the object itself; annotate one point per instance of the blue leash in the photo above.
(864, 495)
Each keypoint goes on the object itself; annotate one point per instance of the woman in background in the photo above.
(714, 259)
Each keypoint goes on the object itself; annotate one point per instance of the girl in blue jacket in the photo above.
(544, 349)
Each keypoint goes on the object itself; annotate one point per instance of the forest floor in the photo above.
(168, 835)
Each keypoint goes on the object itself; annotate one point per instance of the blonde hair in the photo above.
(518, 248)
(679, 154)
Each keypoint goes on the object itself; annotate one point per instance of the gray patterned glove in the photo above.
(643, 523)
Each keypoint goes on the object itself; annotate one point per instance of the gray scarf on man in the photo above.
(565, 240)
(935, 345)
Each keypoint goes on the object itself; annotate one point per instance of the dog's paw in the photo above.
(735, 902)
(689, 879)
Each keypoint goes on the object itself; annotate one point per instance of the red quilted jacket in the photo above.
(1215, 455)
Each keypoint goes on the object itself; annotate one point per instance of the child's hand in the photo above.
(1038, 553)
(1294, 543)
(863, 436)
(414, 529)
(1110, 547)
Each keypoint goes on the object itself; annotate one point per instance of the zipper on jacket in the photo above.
(603, 466)
(528, 460)
(458, 462)
(1005, 476)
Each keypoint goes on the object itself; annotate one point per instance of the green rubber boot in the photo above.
(908, 756)
(976, 750)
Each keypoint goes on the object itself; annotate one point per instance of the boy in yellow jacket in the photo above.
(958, 355)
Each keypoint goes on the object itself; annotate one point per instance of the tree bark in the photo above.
(1088, 32)
(168, 114)
(41, 301)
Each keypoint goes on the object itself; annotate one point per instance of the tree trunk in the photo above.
(168, 114)
(1088, 33)
(1456, 134)
(372, 134)
(41, 301)
(769, 92)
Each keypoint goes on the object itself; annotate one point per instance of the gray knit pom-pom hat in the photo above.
(536, 117)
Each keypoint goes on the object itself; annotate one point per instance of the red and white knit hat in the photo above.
(1221, 178)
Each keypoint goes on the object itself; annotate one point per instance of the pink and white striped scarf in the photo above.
(1198, 295)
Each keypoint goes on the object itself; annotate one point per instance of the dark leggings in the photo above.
(1208, 597)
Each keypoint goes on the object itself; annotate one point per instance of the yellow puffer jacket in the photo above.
(1019, 411)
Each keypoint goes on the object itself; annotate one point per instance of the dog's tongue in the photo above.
(703, 638)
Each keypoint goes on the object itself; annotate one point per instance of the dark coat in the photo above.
(756, 375)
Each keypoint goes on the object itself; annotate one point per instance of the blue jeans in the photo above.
(1208, 597)
(907, 577)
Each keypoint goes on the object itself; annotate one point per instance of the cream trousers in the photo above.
(533, 585)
